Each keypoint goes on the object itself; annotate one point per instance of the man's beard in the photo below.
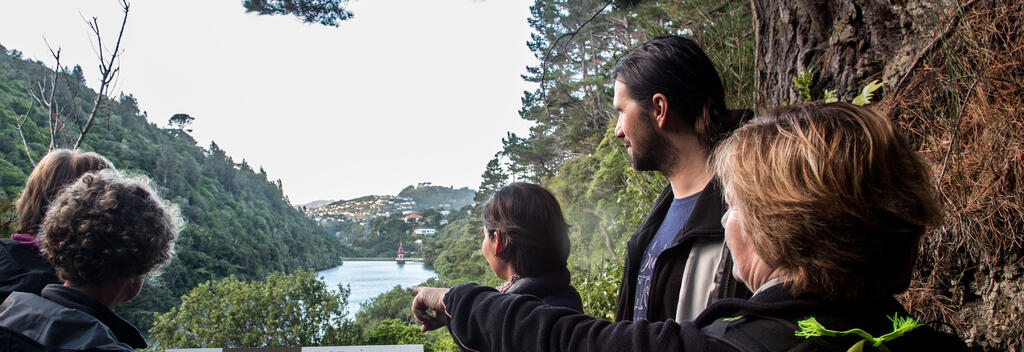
(651, 151)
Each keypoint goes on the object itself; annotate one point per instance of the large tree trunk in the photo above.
(953, 74)
(844, 44)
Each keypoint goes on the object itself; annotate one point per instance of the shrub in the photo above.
(294, 309)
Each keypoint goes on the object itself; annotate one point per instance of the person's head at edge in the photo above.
(106, 231)
(54, 171)
(829, 197)
(671, 105)
(525, 232)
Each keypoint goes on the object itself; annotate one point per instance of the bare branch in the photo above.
(46, 99)
(108, 71)
(21, 122)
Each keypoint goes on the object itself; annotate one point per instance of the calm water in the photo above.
(367, 279)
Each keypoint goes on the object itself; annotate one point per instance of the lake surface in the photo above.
(367, 279)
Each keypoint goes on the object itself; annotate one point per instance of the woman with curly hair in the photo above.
(827, 206)
(22, 267)
(102, 234)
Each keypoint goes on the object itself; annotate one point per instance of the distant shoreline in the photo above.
(381, 259)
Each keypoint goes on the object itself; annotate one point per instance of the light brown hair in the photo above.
(108, 226)
(833, 196)
(54, 171)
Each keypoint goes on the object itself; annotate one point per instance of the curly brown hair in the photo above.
(834, 196)
(107, 226)
(54, 171)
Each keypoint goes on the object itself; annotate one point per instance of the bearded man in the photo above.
(672, 114)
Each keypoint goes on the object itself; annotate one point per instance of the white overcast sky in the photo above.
(407, 91)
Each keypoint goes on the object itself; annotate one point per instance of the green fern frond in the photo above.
(803, 82)
(830, 96)
(867, 93)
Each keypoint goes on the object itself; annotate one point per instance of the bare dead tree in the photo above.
(108, 71)
(45, 92)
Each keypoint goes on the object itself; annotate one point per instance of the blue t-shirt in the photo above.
(674, 221)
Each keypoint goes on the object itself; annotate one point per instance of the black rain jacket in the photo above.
(62, 318)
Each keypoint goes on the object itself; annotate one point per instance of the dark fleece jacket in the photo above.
(554, 289)
(480, 319)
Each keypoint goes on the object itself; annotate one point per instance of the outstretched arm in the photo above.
(481, 319)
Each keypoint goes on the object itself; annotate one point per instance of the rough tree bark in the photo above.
(953, 74)
(844, 44)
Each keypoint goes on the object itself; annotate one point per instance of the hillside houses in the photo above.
(363, 208)
(413, 218)
(421, 206)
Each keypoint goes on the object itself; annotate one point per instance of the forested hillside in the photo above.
(239, 222)
(427, 196)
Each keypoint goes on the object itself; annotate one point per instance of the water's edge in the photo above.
(369, 278)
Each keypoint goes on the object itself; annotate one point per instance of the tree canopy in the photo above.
(325, 12)
(181, 121)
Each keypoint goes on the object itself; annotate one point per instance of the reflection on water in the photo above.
(367, 279)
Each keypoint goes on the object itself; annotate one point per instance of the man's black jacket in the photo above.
(705, 222)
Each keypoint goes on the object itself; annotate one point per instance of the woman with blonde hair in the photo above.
(22, 268)
(827, 206)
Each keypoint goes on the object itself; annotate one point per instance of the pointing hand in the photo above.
(429, 299)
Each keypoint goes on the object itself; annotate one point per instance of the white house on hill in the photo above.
(424, 232)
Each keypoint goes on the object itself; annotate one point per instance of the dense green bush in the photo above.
(294, 309)
(394, 304)
(599, 288)
(396, 332)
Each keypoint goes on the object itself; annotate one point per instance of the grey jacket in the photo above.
(51, 321)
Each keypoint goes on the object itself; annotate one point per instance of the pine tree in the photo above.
(494, 178)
